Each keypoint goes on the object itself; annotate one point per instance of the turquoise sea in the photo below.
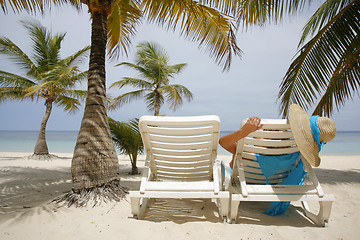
(345, 142)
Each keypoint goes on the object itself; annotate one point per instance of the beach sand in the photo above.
(27, 188)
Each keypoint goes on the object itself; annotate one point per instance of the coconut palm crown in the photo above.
(152, 64)
(46, 76)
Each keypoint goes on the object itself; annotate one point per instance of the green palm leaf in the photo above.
(125, 98)
(174, 95)
(122, 22)
(197, 22)
(314, 70)
(127, 139)
(34, 6)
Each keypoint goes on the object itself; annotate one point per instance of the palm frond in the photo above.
(175, 69)
(322, 16)
(122, 22)
(12, 80)
(132, 82)
(10, 49)
(199, 23)
(174, 95)
(46, 47)
(68, 103)
(125, 98)
(150, 52)
(126, 137)
(12, 93)
(78, 57)
(259, 12)
(78, 94)
(317, 61)
(35, 6)
(344, 82)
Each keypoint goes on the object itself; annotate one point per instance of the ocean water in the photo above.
(345, 142)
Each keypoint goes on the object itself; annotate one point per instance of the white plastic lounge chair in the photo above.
(249, 184)
(180, 161)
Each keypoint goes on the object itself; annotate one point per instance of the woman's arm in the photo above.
(229, 141)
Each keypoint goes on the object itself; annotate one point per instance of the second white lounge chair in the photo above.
(180, 161)
(248, 180)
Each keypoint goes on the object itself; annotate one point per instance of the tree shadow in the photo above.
(182, 211)
(23, 188)
(252, 213)
(333, 177)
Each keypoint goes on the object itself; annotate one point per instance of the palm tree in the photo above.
(47, 75)
(327, 67)
(95, 167)
(152, 63)
(127, 139)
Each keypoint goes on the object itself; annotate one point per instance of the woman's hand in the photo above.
(251, 125)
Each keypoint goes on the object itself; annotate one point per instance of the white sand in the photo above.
(28, 186)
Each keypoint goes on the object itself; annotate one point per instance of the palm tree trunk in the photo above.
(157, 103)
(95, 163)
(134, 169)
(41, 147)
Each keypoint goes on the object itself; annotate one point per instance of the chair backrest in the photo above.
(275, 138)
(181, 148)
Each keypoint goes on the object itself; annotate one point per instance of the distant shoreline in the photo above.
(345, 142)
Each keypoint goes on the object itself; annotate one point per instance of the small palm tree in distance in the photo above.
(127, 139)
(155, 74)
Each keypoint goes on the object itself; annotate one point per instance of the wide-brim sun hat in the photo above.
(300, 126)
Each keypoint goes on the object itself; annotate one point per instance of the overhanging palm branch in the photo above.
(34, 6)
(122, 23)
(327, 66)
(197, 22)
(207, 26)
(259, 12)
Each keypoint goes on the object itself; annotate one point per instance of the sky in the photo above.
(249, 88)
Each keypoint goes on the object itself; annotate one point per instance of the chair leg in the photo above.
(138, 210)
(135, 206)
(322, 218)
(223, 204)
(234, 206)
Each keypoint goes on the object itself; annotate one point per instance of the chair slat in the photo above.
(184, 175)
(180, 131)
(181, 146)
(270, 151)
(195, 152)
(272, 134)
(179, 186)
(184, 159)
(181, 170)
(181, 139)
(270, 142)
(182, 178)
(182, 164)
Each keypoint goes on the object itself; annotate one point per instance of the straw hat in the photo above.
(300, 126)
